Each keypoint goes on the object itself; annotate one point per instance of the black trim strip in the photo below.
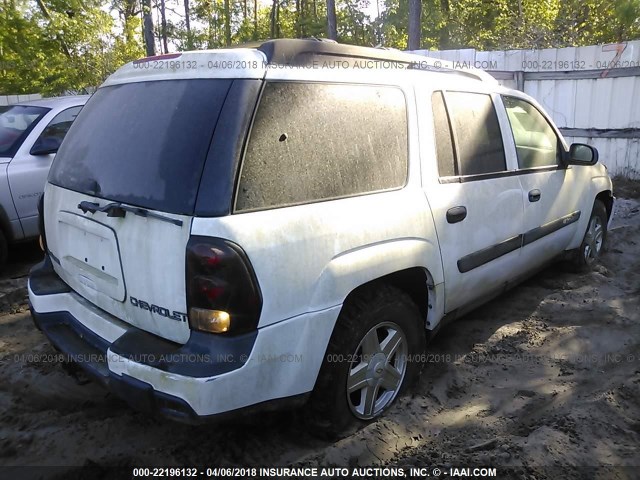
(486, 255)
(539, 232)
(476, 259)
(506, 173)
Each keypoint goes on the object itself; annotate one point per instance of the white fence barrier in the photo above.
(592, 93)
(9, 99)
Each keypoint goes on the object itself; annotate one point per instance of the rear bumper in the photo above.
(91, 353)
(208, 377)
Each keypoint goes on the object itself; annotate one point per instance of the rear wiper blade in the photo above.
(116, 209)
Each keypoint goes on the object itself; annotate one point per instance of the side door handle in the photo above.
(456, 214)
(534, 195)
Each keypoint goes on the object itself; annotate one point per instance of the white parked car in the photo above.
(252, 228)
(30, 134)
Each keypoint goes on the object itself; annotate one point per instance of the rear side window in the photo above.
(312, 142)
(142, 143)
(477, 133)
(444, 143)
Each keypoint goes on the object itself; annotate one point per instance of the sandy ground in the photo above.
(548, 374)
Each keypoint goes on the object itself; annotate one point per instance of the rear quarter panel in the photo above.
(308, 258)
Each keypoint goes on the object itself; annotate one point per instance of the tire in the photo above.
(4, 250)
(593, 243)
(356, 358)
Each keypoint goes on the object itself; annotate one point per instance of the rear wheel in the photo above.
(594, 238)
(370, 360)
(4, 249)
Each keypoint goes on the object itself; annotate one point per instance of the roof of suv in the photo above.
(253, 59)
(66, 101)
(301, 52)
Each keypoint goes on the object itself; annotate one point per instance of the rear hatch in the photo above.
(122, 193)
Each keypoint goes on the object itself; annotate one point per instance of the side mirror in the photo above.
(581, 154)
(45, 146)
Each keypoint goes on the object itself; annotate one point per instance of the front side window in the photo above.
(311, 142)
(537, 144)
(53, 134)
(477, 131)
(16, 121)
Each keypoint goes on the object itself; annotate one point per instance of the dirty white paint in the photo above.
(307, 258)
(9, 99)
(603, 103)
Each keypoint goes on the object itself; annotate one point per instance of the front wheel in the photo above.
(594, 238)
(370, 360)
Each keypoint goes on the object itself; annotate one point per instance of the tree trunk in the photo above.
(444, 40)
(163, 19)
(147, 27)
(274, 19)
(227, 23)
(244, 9)
(187, 22)
(47, 15)
(129, 12)
(415, 32)
(332, 29)
(298, 20)
(255, 19)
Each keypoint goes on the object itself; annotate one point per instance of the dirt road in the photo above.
(548, 374)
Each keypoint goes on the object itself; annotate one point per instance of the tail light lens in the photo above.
(222, 290)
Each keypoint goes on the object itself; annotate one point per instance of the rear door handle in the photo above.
(456, 214)
(534, 195)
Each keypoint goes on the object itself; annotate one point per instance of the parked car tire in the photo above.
(4, 249)
(593, 243)
(372, 352)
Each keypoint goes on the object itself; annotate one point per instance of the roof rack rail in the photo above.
(300, 52)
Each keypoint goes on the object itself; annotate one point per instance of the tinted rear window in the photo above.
(142, 143)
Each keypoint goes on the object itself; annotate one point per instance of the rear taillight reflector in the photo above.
(222, 290)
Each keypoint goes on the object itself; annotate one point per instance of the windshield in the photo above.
(143, 143)
(16, 121)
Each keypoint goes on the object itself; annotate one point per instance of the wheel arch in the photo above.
(401, 263)
(416, 282)
(5, 225)
(606, 197)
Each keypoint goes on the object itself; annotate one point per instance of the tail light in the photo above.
(222, 290)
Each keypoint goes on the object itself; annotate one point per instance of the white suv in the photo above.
(265, 226)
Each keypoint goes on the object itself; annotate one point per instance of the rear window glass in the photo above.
(312, 142)
(142, 143)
